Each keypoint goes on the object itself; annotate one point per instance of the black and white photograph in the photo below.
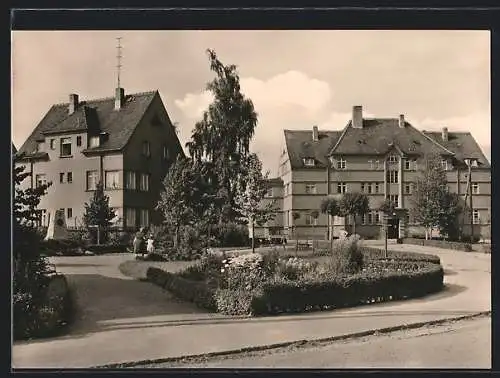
(232, 199)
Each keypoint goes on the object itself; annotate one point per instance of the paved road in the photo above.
(125, 320)
(463, 344)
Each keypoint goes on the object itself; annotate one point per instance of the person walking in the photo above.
(139, 242)
(150, 248)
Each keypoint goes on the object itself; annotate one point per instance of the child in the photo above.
(150, 246)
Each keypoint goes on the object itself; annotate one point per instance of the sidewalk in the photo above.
(468, 291)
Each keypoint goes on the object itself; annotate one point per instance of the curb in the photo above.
(294, 343)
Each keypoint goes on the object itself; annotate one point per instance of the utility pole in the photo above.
(470, 202)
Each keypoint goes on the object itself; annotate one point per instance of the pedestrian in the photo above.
(139, 242)
(150, 244)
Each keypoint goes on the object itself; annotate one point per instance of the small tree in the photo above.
(354, 204)
(98, 212)
(250, 200)
(330, 206)
(387, 207)
(431, 195)
(449, 222)
(295, 217)
(314, 215)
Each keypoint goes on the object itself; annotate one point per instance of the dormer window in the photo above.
(444, 164)
(65, 147)
(341, 163)
(309, 162)
(39, 147)
(471, 162)
(94, 141)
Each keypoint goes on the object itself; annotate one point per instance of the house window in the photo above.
(65, 147)
(377, 217)
(69, 177)
(166, 154)
(473, 163)
(144, 183)
(475, 188)
(369, 188)
(93, 141)
(146, 149)
(341, 187)
(370, 162)
(69, 212)
(144, 217)
(309, 162)
(444, 164)
(408, 188)
(40, 180)
(130, 219)
(341, 163)
(394, 198)
(311, 221)
(92, 180)
(392, 177)
(130, 180)
(269, 192)
(112, 179)
(392, 159)
(52, 144)
(310, 189)
(476, 219)
(61, 177)
(79, 140)
(377, 188)
(408, 164)
(377, 164)
(363, 187)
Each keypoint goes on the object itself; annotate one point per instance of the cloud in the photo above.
(294, 100)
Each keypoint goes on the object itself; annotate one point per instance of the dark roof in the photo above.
(300, 145)
(94, 116)
(379, 135)
(463, 145)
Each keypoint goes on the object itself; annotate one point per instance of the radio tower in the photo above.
(119, 60)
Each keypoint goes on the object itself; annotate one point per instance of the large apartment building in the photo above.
(127, 142)
(380, 157)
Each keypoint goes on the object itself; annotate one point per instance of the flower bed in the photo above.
(466, 247)
(269, 283)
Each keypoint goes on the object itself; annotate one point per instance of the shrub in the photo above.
(375, 253)
(230, 235)
(234, 302)
(281, 295)
(346, 255)
(459, 246)
(65, 247)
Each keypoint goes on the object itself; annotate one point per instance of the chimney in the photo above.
(119, 98)
(73, 103)
(444, 134)
(357, 117)
(315, 133)
(402, 120)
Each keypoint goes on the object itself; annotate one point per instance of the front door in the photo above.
(393, 228)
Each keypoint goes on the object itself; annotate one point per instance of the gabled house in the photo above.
(380, 157)
(127, 142)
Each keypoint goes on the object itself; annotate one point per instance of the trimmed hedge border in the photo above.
(293, 296)
(458, 246)
(376, 253)
(199, 293)
(339, 292)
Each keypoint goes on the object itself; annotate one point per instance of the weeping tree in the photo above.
(354, 204)
(249, 201)
(222, 138)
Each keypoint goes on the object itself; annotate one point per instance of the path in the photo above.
(133, 321)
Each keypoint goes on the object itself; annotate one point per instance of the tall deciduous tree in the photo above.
(223, 136)
(249, 200)
(329, 206)
(97, 211)
(431, 195)
(354, 204)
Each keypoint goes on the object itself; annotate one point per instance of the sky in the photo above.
(296, 79)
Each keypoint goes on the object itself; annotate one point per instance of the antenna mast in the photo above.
(119, 60)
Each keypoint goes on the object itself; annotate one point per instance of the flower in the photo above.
(222, 270)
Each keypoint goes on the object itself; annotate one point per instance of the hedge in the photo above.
(466, 247)
(197, 292)
(106, 248)
(338, 292)
(376, 253)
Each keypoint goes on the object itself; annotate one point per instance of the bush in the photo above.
(230, 235)
(459, 246)
(100, 249)
(67, 247)
(346, 255)
(375, 253)
(282, 295)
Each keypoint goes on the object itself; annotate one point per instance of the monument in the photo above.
(57, 226)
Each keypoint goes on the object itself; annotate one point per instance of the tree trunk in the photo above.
(354, 224)
(176, 236)
(253, 236)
